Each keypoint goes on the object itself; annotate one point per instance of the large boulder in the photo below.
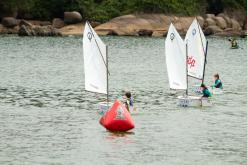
(72, 17)
(75, 29)
(210, 22)
(9, 22)
(235, 25)
(57, 23)
(220, 22)
(200, 20)
(26, 30)
(210, 16)
(212, 30)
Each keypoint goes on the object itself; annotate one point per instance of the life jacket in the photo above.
(219, 85)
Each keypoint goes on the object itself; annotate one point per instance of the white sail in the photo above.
(175, 59)
(95, 65)
(196, 43)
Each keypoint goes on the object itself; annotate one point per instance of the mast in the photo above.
(107, 77)
(186, 62)
(204, 51)
(205, 61)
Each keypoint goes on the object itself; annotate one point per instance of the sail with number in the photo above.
(95, 61)
(196, 45)
(175, 59)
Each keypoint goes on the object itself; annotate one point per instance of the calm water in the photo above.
(46, 117)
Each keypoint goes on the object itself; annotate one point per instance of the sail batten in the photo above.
(196, 42)
(175, 59)
(95, 61)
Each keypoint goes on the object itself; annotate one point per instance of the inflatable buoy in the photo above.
(117, 118)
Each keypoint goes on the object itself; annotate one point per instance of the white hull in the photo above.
(193, 101)
(104, 107)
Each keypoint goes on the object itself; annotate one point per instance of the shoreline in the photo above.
(152, 25)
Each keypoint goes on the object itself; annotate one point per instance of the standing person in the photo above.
(128, 100)
(217, 82)
(206, 93)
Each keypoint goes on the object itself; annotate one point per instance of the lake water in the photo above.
(46, 117)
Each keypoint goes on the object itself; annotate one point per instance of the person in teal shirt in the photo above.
(217, 82)
(206, 93)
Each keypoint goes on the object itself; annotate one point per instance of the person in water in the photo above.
(217, 82)
(206, 93)
(128, 100)
(233, 42)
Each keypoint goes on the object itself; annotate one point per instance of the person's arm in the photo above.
(216, 83)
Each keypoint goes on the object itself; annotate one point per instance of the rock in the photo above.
(25, 31)
(159, 33)
(5, 30)
(212, 30)
(229, 32)
(9, 22)
(94, 23)
(26, 23)
(57, 23)
(210, 15)
(72, 17)
(144, 32)
(220, 22)
(39, 23)
(75, 29)
(235, 25)
(38, 31)
(210, 22)
(200, 20)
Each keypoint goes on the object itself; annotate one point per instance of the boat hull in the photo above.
(193, 101)
(104, 107)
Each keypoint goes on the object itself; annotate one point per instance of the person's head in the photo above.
(203, 86)
(216, 76)
(128, 95)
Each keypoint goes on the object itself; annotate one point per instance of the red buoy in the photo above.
(117, 118)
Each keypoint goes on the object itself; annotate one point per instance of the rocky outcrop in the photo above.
(28, 29)
(72, 17)
(145, 24)
(57, 23)
(220, 22)
(10, 22)
(75, 29)
(212, 30)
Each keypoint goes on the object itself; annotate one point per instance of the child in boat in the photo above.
(128, 100)
(206, 93)
(217, 82)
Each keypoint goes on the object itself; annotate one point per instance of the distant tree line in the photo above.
(103, 10)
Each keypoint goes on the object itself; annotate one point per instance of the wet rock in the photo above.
(220, 22)
(212, 30)
(72, 17)
(57, 23)
(26, 23)
(26, 30)
(9, 22)
(145, 32)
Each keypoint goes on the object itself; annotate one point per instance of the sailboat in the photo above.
(96, 66)
(197, 45)
(177, 68)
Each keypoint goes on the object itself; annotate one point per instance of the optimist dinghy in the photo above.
(96, 65)
(197, 47)
(177, 68)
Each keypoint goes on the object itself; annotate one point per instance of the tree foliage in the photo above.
(103, 10)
